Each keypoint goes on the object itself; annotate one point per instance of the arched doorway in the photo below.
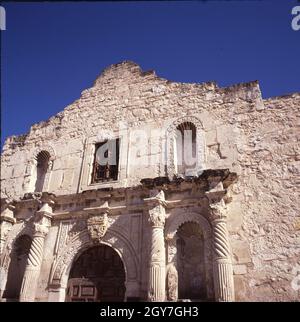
(97, 275)
(19, 256)
(191, 262)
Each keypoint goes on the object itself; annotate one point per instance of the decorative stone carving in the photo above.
(67, 255)
(112, 240)
(157, 265)
(62, 265)
(156, 210)
(40, 230)
(75, 227)
(112, 219)
(221, 247)
(175, 220)
(50, 165)
(223, 280)
(217, 211)
(172, 250)
(45, 147)
(35, 257)
(61, 236)
(7, 220)
(223, 272)
(172, 283)
(171, 142)
(157, 216)
(8, 246)
(97, 227)
(68, 229)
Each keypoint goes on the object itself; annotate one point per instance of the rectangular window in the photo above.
(106, 161)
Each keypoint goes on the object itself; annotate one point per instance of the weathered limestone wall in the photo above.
(264, 213)
(258, 139)
(123, 93)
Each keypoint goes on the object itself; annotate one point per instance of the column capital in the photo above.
(43, 218)
(217, 212)
(46, 207)
(7, 214)
(156, 208)
(40, 230)
(157, 216)
(216, 205)
(45, 213)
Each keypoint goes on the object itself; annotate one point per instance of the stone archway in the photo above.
(78, 244)
(16, 269)
(190, 262)
(97, 275)
(18, 230)
(216, 249)
(174, 223)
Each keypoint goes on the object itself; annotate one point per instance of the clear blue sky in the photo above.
(52, 51)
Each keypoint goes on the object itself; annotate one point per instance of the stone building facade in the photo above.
(150, 228)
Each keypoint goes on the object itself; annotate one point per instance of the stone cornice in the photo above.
(86, 212)
(210, 186)
(207, 180)
(153, 201)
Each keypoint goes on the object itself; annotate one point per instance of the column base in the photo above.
(29, 285)
(223, 280)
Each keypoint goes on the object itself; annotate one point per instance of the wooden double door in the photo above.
(98, 275)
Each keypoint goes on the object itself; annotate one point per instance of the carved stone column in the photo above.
(32, 270)
(157, 265)
(222, 265)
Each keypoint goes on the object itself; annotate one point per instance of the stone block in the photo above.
(239, 269)
(235, 217)
(211, 137)
(241, 252)
(240, 288)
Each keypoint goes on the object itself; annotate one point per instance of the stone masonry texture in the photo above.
(258, 139)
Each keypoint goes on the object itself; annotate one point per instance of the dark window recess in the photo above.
(186, 148)
(41, 170)
(106, 161)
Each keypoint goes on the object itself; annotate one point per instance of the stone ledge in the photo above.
(207, 179)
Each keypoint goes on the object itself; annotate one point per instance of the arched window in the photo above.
(42, 164)
(186, 149)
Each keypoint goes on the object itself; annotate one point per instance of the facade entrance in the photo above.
(191, 263)
(98, 275)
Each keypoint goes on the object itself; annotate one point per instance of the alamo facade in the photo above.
(200, 203)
